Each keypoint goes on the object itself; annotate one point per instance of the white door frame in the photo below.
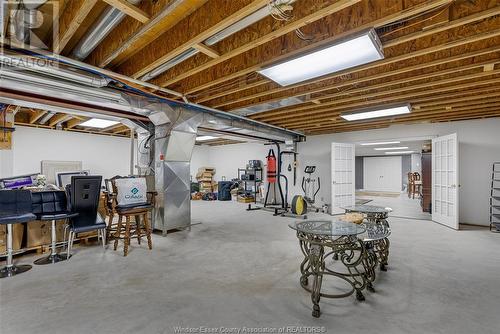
(445, 181)
(343, 176)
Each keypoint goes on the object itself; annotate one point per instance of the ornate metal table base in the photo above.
(360, 262)
(377, 216)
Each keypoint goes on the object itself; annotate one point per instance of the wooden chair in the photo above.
(125, 229)
(410, 184)
(417, 184)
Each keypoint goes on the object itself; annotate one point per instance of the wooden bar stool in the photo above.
(410, 184)
(417, 184)
(133, 220)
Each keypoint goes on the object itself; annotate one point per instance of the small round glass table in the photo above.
(372, 212)
(324, 239)
(376, 243)
(376, 215)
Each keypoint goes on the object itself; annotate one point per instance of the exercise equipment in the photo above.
(273, 177)
(309, 186)
(299, 205)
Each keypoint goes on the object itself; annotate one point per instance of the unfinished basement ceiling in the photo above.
(441, 56)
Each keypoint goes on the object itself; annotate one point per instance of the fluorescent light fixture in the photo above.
(378, 112)
(205, 138)
(98, 123)
(358, 50)
(390, 148)
(400, 152)
(381, 143)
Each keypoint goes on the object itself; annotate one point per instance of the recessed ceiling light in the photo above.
(390, 148)
(205, 138)
(381, 143)
(379, 112)
(400, 152)
(98, 123)
(357, 50)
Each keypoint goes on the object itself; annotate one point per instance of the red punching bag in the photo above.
(271, 167)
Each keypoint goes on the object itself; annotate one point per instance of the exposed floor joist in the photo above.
(129, 9)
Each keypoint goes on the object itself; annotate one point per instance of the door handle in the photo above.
(334, 182)
(453, 186)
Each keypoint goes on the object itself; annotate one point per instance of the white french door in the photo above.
(343, 184)
(445, 180)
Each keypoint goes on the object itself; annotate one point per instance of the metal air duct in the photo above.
(53, 69)
(169, 64)
(46, 118)
(15, 79)
(26, 17)
(108, 20)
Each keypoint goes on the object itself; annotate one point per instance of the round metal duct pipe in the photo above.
(108, 20)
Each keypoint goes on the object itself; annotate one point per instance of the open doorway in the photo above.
(395, 174)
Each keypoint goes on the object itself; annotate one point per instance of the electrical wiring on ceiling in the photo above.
(282, 11)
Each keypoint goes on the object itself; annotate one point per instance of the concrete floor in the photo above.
(402, 206)
(240, 269)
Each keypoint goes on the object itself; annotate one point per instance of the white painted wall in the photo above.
(479, 148)
(102, 155)
(200, 158)
(382, 173)
(6, 163)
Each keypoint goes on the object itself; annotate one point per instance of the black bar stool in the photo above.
(51, 206)
(15, 208)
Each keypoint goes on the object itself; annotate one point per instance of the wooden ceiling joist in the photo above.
(129, 9)
(36, 115)
(398, 93)
(73, 16)
(58, 118)
(113, 127)
(206, 50)
(200, 25)
(415, 116)
(441, 56)
(303, 88)
(386, 12)
(304, 14)
(120, 129)
(388, 84)
(130, 36)
(315, 89)
(448, 116)
(322, 113)
(70, 124)
(323, 92)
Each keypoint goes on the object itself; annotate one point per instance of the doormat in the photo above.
(378, 193)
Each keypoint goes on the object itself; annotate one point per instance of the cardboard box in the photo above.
(38, 233)
(245, 199)
(206, 169)
(17, 237)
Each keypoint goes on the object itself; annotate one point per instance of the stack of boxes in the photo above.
(205, 177)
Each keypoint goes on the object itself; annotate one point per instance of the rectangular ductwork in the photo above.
(175, 128)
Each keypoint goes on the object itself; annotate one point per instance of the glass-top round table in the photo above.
(372, 212)
(327, 228)
(376, 215)
(327, 242)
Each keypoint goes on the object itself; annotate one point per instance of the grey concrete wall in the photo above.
(405, 169)
(359, 172)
